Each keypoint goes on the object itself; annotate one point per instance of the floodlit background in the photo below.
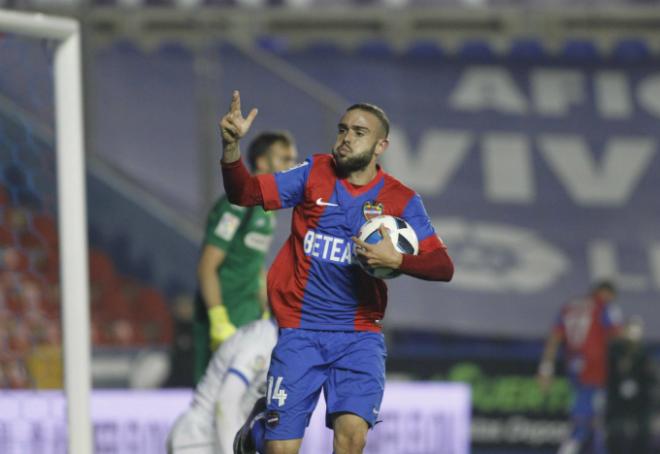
(529, 127)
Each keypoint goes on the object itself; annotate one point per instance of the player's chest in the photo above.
(338, 211)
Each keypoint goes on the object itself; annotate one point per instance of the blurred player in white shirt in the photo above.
(234, 380)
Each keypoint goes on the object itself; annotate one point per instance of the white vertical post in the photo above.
(73, 242)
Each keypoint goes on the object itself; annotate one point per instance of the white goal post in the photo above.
(72, 216)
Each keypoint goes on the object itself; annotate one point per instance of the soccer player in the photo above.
(230, 270)
(234, 380)
(329, 311)
(585, 326)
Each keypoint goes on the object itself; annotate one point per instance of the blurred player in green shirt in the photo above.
(230, 273)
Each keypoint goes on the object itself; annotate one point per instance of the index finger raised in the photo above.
(235, 101)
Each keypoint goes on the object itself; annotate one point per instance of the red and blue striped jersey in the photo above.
(586, 325)
(314, 283)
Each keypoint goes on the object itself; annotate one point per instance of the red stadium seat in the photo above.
(101, 268)
(6, 236)
(46, 226)
(154, 315)
(30, 240)
(15, 260)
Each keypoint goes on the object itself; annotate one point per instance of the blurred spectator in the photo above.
(629, 392)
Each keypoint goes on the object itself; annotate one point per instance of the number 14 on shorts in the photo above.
(277, 392)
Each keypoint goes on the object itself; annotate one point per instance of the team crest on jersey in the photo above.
(371, 209)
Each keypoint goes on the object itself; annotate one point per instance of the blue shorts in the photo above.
(588, 401)
(348, 365)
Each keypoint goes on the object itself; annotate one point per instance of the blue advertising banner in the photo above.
(541, 176)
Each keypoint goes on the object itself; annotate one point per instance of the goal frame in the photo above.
(72, 215)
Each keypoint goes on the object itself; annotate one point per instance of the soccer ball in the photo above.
(403, 237)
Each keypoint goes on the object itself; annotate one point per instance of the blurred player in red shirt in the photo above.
(585, 326)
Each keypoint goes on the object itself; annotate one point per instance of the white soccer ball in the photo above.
(403, 237)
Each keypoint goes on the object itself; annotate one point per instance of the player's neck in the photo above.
(364, 176)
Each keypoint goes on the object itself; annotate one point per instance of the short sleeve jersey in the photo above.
(586, 326)
(247, 355)
(314, 282)
(245, 235)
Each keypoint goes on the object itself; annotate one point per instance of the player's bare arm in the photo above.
(546, 371)
(233, 127)
(380, 254)
(241, 187)
(211, 259)
(433, 265)
(210, 285)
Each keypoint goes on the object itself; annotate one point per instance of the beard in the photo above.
(354, 162)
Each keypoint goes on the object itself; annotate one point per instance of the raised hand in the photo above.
(380, 254)
(233, 125)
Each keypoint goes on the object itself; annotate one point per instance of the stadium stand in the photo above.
(125, 312)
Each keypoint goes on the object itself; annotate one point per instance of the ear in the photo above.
(381, 146)
(261, 163)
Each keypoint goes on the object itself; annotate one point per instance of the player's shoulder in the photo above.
(321, 167)
(304, 168)
(398, 195)
(322, 164)
(322, 159)
(392, 183)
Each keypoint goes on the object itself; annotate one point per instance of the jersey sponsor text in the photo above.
(328, 248)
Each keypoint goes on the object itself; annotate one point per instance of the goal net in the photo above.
(44, 309)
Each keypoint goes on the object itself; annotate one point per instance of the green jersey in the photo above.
(245, 235)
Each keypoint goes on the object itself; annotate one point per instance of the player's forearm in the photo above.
(546, 366)
(435, 265)
(231, 152)
(263, 291)
(227, 423)
(241, 188)
(552, 347)
(210, 288)
(228, 415)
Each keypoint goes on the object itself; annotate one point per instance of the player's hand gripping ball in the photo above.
(402, 235)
